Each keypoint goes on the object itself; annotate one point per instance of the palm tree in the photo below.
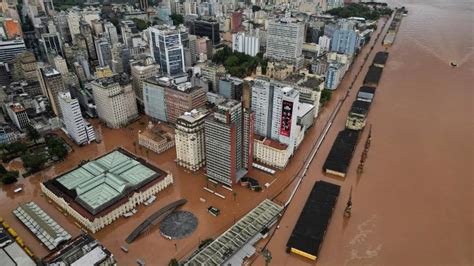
(135, 146)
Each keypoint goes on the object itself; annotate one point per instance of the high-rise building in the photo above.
(193, 48)
(77, 128)
(51, 84)
(166, 101)
(24, 66)
(285, 41)
(60, 64)
(140, 73)
(189, 138)
(236, 21)
(229, 143)
(115, 100)
(73, 19)
(12, 28)
(167, 50)
(111, 32)
(276, 108)
(10, 49)
(334, 75)
(18, 115)
(207, 28)
(128, 28)
(345, 38)
(50, 45)
(143, 4)
(86, 31)
(246, 44)
(231, 87)
(104, 52)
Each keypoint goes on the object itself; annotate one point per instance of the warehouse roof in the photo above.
(373, 76)
(381, 58)
(99, 184)
(236, 237)
(340, 156)
(308, 234)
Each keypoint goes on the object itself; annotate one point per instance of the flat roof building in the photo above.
(99, 191)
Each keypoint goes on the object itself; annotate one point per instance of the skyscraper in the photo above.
(86, 31)
(206, 28)
(140, 73)
(115, 100)
(189, 138)
(111, 32)
(77, 128)
(51, 84)
(10, 49)
(276, 108)
(345, 38)
(104, 52)
(229, 143)
(167, 50)
(285, 41)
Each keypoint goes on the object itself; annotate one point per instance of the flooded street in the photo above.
(413, 205)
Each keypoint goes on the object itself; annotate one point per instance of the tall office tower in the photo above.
(73, 19)
(48, 6)
(115, 100)
(60, 65)
(111, 32)
(165, 100)
(231, 88)
(193, 48)
(60, 19)
(10, 49)
(118, 60)
(77, 128)
(18, 115)
(207, 28)
(51, 45)
(335, 73)
(345, 38)
(189, 139)
(140, 73)
(236, 21)
(229, 145)
(128, 28)
(246, 44)
(104, 52)
(143, 4)
(276, 108)
(4, 77)
(51, 84)
(167, 50)
(86, 31)
(24, 67)
(285, 41)
(97, 27)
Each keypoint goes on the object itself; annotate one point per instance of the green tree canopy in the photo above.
(34, 162)
(9, 177)
(177, 19)
(141, 24)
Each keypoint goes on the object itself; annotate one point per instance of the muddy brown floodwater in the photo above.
(413, 205)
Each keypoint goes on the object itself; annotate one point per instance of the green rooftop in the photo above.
(99, 183)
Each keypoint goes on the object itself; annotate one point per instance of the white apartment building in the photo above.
(76, 127)
(285, 41)
(246, 44)
(73, 19)
(115, 101)
(276, 110)
(189, 138)
(325, 43)
(140, 73)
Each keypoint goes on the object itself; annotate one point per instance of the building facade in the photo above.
(247, 44)
(51, 84)
(115, 101)
(77, 128)
(225, 140)
(285, 41)
(167, 50)
(190, 147)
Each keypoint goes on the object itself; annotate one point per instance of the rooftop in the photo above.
(97, 185)
(271, 143)
(236, 237)
(158, 132)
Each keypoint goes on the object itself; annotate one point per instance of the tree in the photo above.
(34, 162)
(141, 24)
(33, 134)
(9, 177)
(234, 194)
(56, 147)
(2, 169)
(173, 262)
(325, 96)
(177, 19)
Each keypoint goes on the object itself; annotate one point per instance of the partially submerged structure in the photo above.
(309, 231)
(100, 191)
(340, 156)
(357, 116)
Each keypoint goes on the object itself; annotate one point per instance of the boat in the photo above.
(454, 64)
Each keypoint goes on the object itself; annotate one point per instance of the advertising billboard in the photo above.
(286, 114)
